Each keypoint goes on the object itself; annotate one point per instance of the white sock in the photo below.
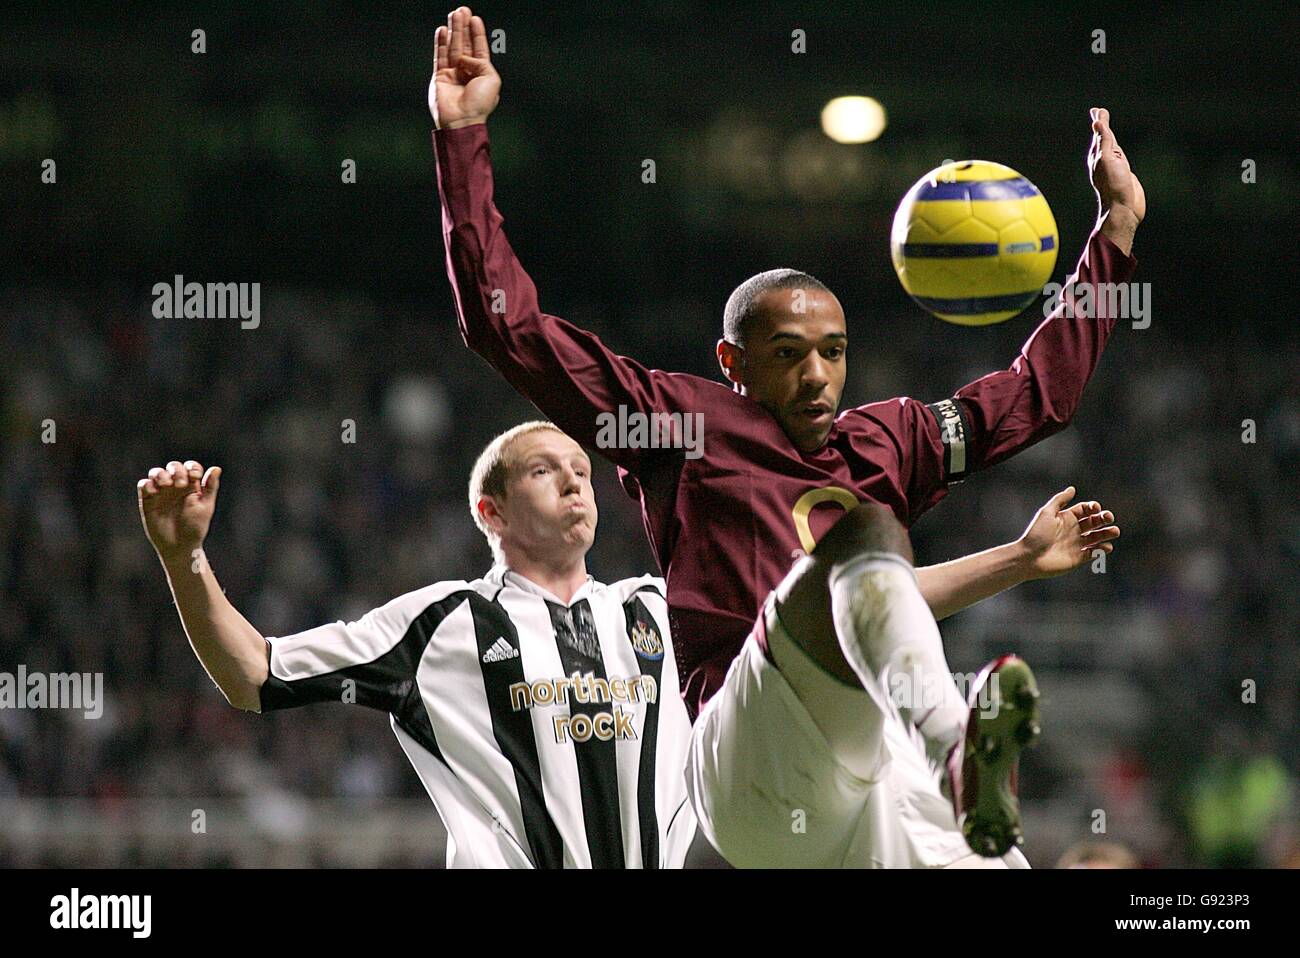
(891, 640)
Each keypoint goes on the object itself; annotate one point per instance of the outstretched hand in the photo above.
(465, 87)
(1061, 538)
(1120, 197)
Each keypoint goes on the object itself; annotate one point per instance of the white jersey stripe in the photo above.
(641, 847)
(559, 765)
(457, 705)
(642, 627)
(470, 827)
(676, 822)
(514, 733)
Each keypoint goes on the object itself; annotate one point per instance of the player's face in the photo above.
(549, 507)
(794, 362)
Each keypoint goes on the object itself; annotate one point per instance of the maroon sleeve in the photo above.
(566, 372)
(1004, 412)
(1010, 410)
(900, 438)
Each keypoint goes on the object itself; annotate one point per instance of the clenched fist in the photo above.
(176, 506)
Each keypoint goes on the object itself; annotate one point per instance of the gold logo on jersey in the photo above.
(646, 641)
(814, 497)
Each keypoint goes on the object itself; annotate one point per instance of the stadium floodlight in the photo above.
(853, 119)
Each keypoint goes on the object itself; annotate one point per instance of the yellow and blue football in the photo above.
(973, 242)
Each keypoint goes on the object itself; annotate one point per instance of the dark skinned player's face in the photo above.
(793, 361)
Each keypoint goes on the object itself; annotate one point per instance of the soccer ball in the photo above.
(973, 242)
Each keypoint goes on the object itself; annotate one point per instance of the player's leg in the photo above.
(769, 787)
(855, 609)
(787, 761)
(786, 766)
(792, 766)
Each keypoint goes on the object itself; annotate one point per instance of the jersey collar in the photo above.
(508, 577)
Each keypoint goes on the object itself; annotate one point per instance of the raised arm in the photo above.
(176, 506)
(1059, 538)
(566, 372)
(1006, 411)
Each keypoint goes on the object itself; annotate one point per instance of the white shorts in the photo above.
(770, 792)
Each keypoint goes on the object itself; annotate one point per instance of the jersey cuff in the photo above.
(954, 432)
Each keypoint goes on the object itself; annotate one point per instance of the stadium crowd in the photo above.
(312, 527)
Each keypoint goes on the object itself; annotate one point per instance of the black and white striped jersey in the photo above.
(548, 735)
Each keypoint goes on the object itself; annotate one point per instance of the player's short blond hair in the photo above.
(1090, 854)
(492, 470)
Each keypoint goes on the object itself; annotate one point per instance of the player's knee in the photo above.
(870, 527)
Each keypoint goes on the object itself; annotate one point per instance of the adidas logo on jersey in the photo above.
(500, 651)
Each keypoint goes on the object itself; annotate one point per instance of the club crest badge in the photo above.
(646, 641)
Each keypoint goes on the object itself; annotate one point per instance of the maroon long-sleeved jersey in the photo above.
(726, 526)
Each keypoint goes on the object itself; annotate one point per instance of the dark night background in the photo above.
(225, 167)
